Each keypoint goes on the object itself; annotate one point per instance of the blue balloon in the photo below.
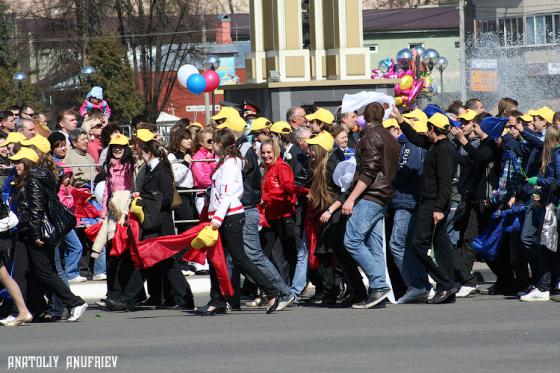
(196, 84)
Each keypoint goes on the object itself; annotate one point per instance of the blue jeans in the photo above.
(300, 275)
(253, 250)
(454, 235)
(535, 252)
(55, 306)
(413, 274)
(72, 248)
(100, 264)
(364, 240)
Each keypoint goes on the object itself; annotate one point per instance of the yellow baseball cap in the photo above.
(26, 153)
(321, 114)
(526, 118)
(544, 112)
(468, 115)
(260, 124)
(40, 142)
(236, 124)
(226, 112)
(439, 120)
(13, 138)
(391, 122)
(417, 114)
(323, 139)
(207, 237)
(420, 126)
(145, 135)
(118, 139)
(195, 124)
(282, 127)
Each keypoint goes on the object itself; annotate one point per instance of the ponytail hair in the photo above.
(157, 150)
(228, 147)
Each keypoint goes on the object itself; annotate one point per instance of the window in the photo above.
(374, 48)
(510, 31)
(414, 45)
(542, 30)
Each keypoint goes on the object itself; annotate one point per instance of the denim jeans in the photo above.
(364, 240)
(55, 306)
(72, 248)
(299, 279)
(100, 264)
(252, 246)
(412, 272)
(534, 251)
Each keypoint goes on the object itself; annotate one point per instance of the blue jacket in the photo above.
(407, 180)
(551, 178)
(530, 151)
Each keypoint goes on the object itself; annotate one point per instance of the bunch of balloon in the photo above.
(189, 77)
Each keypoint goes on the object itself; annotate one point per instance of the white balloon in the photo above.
(184, 73)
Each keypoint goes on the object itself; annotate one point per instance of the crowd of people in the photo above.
(409, 199)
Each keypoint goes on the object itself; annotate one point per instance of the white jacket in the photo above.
(227, 189)
(181, 173)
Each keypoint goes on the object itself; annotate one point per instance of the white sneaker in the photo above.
(7, 320)
(77, 279)
(100, 277)
(465, 291)
(77, 312)
(414, 295)
(187, 272)
(536, 296)
(431, 294)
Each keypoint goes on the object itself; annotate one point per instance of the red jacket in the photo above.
(279, 191)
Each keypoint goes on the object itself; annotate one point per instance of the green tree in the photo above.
(9, 94)
(115, 76)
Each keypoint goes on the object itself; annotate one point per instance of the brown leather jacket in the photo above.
(377, 162)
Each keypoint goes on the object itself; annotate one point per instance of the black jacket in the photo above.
(439, 168)
(160, 179)
(485, 162)
(251, 174)
(299, 163)
(32, 202)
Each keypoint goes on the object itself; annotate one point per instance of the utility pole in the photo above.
(462, 57)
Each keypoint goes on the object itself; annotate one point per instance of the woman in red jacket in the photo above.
(279, 195)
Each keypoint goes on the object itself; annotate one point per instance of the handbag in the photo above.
(8, 219)
(549, 233)
(177, 200)
(59, 220)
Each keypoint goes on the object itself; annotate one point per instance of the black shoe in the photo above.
(443, 296)
(151, 302)
(117, 305)
(203, 311)
(273, 307)
(202, 272)
(375, 298)
(179, 307)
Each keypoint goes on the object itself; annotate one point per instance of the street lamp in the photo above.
(18, 78)
(88, 72)
(441, 65)
(212, 62)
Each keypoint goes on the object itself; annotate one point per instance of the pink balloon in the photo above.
(212, 80)
(418, 85)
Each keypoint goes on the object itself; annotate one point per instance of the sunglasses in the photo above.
(209, 141)
(98, 125)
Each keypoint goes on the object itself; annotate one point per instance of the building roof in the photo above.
(431, 18)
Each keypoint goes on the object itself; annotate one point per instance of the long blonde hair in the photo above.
(551, 141)
(322, 194)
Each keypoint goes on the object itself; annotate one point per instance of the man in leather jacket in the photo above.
(377, 160)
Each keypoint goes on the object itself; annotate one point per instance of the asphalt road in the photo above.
(480, 334)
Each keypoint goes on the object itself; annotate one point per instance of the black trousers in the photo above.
(119, 270)
(180, 289)
(231, 233)
(24, 276)
(475, 219)
(423, 234)
(332, 239)
(42, 264)
(285, 230)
